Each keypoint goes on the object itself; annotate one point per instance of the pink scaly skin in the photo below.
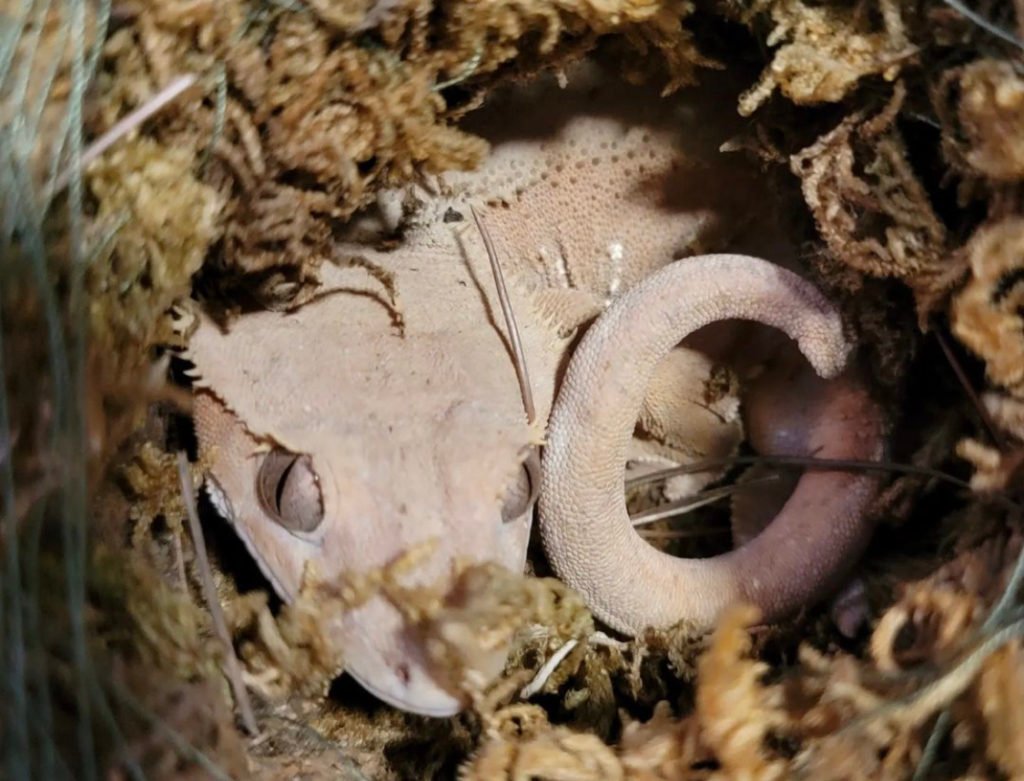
(810, 545)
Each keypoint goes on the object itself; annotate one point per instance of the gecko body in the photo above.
(386, 412)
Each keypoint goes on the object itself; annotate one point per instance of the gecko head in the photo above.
(417, 501)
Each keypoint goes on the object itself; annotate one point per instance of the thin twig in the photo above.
(682, 534)
(965, 383)
(210, 593)
(597, 637)
(125, 126)
(985, 24)
(1010, 593)
(690, 503)
(510, 319)
(179, 562)
(827, 464)
(462, 75)
(547, 669)
(931, 747)
(946, 687)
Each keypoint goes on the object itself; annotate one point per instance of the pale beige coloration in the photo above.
(403, 453)
(396, 383)
(811, 542)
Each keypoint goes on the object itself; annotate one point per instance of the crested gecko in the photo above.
(386, 411)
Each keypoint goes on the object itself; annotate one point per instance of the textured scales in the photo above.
(404, 396)
(813, 539)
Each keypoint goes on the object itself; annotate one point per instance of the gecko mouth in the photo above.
(443, 706)
(387, 658)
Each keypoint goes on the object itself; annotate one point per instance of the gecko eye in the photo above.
(289, 490)
(521, 493)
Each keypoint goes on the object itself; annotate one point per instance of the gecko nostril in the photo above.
(403, 672)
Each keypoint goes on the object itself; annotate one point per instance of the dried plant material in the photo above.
(870, 208)
(37, 81)
(468, 634)
(163, 222)
(303, 131)
(299, 651)
(356, 14)
(1000, 696)
(558, 616)
(176, 730)
(925, 626)
(991, 115)
(663, 748)
(983, 561)
(153, 225)
(736, 711)
(171, 632)
(299, 123)
(231, 668)
(147, 480)
(553, 754)
(291, 655)
(869, 724)
(663, 33)
(1007, 412)
(493, 33)
(600, 674)
(828, 693)
(986, 314)
(827, 50)
(994, 470)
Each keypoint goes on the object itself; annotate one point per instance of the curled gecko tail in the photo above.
(588, 537)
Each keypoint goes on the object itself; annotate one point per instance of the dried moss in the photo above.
(303, 113)
(305, 119)
(984, 139)
(826, 49)
(987, 312)
(870, 208)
